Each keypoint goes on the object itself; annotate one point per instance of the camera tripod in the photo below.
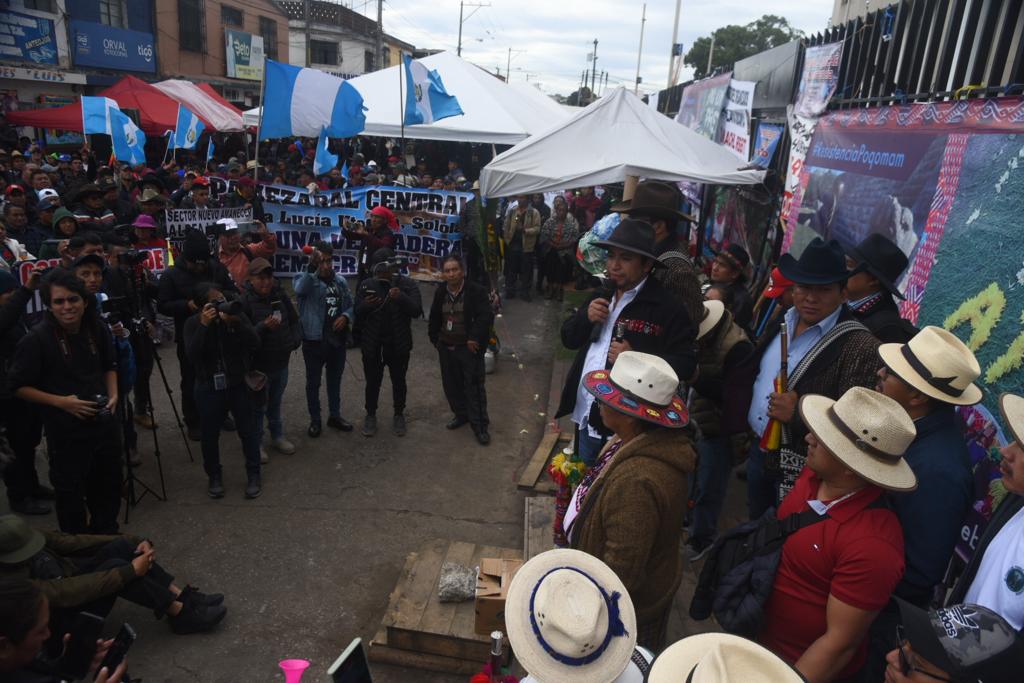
(127, 415)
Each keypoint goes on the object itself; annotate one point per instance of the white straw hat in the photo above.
(936, 363)
(713, 312)
(1012, 408)
(720, 658)
(868, 431)
(569, 619)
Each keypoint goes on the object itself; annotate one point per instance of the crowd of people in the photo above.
(678, 378)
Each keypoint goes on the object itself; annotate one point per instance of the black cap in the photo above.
(85, 259)
(970, 642)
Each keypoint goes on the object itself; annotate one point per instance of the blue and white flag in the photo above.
(209, 148)
(96, 115)
(324, 160)
(304, 102)
(187, 130)
(128, 140)
(426, 100)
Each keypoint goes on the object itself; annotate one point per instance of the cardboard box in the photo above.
(492, 582)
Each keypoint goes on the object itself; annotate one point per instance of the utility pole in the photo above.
(640, 50)
(604, 87)
(593, 70)
(672, 52)
(711, 54)
(508, 64)
(462, 6)
(305, 16)
(380, 36)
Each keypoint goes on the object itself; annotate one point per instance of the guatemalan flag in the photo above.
(101, 115)
(187, 130)
(324, 160)
(304, 102)
(426, 100)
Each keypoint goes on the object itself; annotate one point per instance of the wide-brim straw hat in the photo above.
(569, 619)
(1012, 408)
(720, 658)
(867, 431)
(938, 364)
(713, 312)
(642, 386)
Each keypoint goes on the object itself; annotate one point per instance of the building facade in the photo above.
(845, 10)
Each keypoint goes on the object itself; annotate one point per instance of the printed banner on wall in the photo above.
(819, 78)
(944, 182)
(734, 131)
(112, 48)
(768, 136)
(428, 221)
(24, 38)
(701, 106)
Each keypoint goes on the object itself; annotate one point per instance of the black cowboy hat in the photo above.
(880, 256)
(821, 263)
(633, 235)
(655, 199)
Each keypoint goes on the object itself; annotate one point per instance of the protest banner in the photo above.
(819, 79)
(178, 221)
(768, 136)
(734, 130)
(701, 105)
(428, 223)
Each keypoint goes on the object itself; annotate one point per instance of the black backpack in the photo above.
(739, 573)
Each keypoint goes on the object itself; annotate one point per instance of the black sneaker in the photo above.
(399, 425)
(482, 437)
(456, 422)
(369, 425)
(216, 487)
(335, 422)
(253, 489)
(190, 595)
(197, 618)
(30, 506)
(314, 429)
(696, 548)
(228, 425)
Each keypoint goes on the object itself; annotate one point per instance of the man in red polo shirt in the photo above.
(836, 574)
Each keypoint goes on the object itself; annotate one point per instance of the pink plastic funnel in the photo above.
(293, 669)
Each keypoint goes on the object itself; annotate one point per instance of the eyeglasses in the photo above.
(70, 301)
(907, 662)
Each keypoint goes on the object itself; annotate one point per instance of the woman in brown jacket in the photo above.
(628, 510)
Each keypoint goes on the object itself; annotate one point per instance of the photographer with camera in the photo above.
(326, 314)
(21, 421)
(219, 341)
(277, 323)
(386, 304)
(67, 364)
(174, 299)
(380, 234)
(235, 256)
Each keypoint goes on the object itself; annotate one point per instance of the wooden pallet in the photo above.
(538, 518)
(534, 476)
(418, 630)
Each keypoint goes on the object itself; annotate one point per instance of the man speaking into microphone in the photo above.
(633, 312)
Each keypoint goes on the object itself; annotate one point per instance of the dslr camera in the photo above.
(103, 414)
(233, 307)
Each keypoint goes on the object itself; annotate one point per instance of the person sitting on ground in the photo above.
(24, 632)
(628, 510)
(875, 266)
(729, 269)
(836, 574)
(958, 644)
(88, 573)
(720, 658)
(559, 605)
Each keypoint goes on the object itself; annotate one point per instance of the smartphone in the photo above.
(276, 307)
(351, 666)
(81, 648)
(119, 648)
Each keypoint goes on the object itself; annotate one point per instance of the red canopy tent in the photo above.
(158, 113)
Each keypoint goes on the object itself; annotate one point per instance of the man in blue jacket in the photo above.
(325, 311)
(929, 376)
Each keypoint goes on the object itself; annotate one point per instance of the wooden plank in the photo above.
(538, 518)
(537, 464)
(416, 588)
(437, 617)
(396, 594)
(382, 653)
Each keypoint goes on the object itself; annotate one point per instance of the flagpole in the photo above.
(259, 124)
(401, 109)
(170, 139)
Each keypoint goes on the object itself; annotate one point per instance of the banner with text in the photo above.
(819, 79)
(701, 105)
(734, 130)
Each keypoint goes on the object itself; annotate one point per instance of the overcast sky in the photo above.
(557, 35)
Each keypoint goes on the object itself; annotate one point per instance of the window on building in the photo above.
(112, 13)
(231, 16)
(368, 61)
(190, 25)
(268, 29)
(40, 5)
(321, 52)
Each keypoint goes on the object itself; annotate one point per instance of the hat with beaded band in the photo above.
(642, 386)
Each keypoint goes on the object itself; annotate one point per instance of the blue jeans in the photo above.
(761, 486)
(276, 382)
(317, 354)
(213, 407)
(589, 447)
(712, 478)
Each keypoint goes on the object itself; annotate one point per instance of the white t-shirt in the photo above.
(999, 583)
(632, 674)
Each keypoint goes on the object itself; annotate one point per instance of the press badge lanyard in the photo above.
(823, 508)
(452, 300)
(65, 348)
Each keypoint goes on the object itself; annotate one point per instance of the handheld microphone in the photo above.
(607, 292)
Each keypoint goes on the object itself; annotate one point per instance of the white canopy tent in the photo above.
(615, 137)
(202, 104)
(495, 111)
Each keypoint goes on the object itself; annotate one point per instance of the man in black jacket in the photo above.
(636, 313)
(176, 287)
(875, 265)
(386, 303)
(460, 327)
(277, 323)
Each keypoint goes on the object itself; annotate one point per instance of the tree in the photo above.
(733, 43)
(580, 98)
